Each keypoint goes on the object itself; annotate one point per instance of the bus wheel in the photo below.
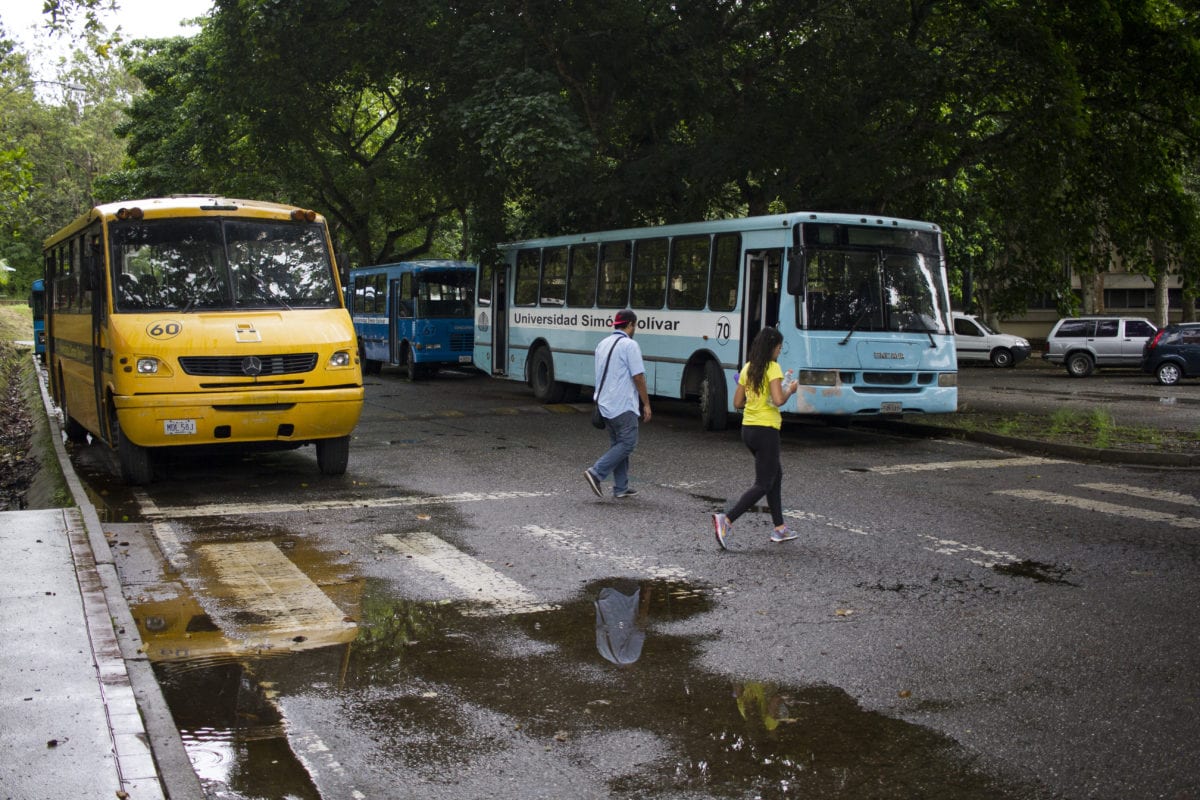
(714, 403)
(541, 375)
(412, 370)
(333, 455)
(75, 432)
(137, 466)
(369, 365)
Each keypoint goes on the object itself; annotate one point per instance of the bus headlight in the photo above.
(340, 359)
(817, 377)
(147, 366)
(947, 379)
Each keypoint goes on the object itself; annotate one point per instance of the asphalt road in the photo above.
(955, 620)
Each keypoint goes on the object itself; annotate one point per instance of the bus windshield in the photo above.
(213, 264)
(873, 291)
(446, 293)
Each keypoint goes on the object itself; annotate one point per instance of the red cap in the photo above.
(623, 318)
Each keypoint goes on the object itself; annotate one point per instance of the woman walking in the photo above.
(760, 393)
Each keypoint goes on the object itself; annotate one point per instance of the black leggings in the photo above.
(768, 473)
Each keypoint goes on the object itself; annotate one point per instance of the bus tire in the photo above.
(541, 377)
(137, 464)
(75, 432)
(333, 455)
(412, 370)
(369, 365)
(714, 400)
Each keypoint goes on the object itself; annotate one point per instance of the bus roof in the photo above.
(418, 265)
(770, 222)
(184, 205)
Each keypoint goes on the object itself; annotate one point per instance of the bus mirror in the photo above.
(797, 272)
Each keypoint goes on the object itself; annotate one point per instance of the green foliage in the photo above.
(1041, 135)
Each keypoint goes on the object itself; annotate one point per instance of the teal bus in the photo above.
(862, 302)
(415, 315)
(37, 304)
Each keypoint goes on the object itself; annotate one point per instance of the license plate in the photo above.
(179, 427)
(890, 408)
(464, 359)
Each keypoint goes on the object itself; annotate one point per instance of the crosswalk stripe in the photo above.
(1102, 507)
(478, 583)
(240, 509)
(573, 541)
(983, 463)
(1162, 495)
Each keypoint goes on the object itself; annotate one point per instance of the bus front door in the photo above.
(393, 333)
(760, 307)
(500, 320)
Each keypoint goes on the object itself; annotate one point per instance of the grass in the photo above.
(1095, 428)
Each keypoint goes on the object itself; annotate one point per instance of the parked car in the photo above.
(1083, 343)
(1173, 353)
(974, 340)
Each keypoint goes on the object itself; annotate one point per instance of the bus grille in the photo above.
(245, 366)
(462, 341)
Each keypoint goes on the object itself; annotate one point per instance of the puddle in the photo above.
(434, 692)
(1036, 571)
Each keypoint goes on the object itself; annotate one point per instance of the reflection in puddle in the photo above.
(430, 694)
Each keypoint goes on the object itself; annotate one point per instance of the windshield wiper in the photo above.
(854, 327)
(209, 281)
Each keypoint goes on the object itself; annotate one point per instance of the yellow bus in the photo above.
(200, 320)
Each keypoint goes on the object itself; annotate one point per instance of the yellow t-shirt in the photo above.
(759, 409)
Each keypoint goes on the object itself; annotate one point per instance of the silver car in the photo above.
(1083, 343)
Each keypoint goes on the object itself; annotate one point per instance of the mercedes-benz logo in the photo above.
(251, 365)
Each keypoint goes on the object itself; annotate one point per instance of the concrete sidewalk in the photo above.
(81, 713)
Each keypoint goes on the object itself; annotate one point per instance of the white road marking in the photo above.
(256, 577)
(1176, 498)
(973, 553)
(826, 521)
(1101, 507)
(573, 541)
(476, 581)
(983, 463)
(240, 509)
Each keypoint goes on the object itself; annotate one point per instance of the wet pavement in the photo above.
(298, 665)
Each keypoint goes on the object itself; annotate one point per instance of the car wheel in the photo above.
(1168, 373)
(1080, 365)
(1003, 357)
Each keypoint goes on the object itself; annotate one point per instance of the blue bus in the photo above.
(37, 302)
(862, 302)
(415, 315)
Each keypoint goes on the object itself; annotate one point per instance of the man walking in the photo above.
(620, 391)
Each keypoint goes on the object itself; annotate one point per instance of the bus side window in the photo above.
(581, 278)
(404, 303)
(525, 293)
(615, 262)
(723, 283)
(554, 277)
(689, 272)
(649, 273)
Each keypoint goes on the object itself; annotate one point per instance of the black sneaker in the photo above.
(593, 482)
(627, 493)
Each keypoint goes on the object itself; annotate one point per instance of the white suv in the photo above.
(975, 341)
(1084, 343)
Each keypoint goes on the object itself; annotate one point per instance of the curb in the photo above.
(175, 771)
(1078, 452)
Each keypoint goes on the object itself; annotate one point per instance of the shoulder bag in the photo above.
(597, 417)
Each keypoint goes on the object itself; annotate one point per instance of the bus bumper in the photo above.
(274, 416)
(848, 400)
